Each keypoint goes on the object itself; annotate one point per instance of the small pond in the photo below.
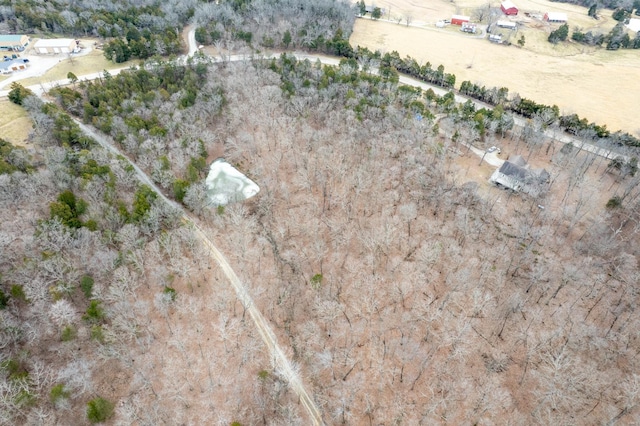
(225, 184)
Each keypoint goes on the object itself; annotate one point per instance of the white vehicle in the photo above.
(493, 149)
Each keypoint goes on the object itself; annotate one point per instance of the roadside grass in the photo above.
(92, 62)
(15, 124)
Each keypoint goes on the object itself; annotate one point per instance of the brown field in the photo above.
(594, 83)
(15, 124)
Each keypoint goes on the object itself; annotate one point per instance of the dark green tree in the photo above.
(117, 51)
(99, 410)
(618, 38)
(362, 7)
(143, 199)
(68, 209)
(593, 10)
(286, 39)
(559, 35)
(18, 93)
(72, 77)
(377, 13)
(620, 14)
(202, 35)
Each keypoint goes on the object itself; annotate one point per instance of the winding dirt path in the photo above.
(268, 337)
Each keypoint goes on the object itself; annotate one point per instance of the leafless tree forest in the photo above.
(404, 293)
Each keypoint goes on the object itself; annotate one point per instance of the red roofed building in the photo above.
(459, 19)
(508, 8)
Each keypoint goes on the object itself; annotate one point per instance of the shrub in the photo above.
(58, 395)
(614, 202)
(97, 333)
(15, 369)
(68, 333)
(170, 293)
(17, 292)
(99, 410)
(4, 299)
(86, 284)
(18, 93)
(95, 313)
(316, 281)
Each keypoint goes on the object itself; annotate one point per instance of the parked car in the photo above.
(25, 60)
(494, 149)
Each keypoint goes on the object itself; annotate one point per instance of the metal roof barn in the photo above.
(508, 8)
(459, 19)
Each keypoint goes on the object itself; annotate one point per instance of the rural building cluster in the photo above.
(14, 42)
(15, 45)
(509, 11)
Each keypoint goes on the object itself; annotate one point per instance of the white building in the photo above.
(507, 24)
(555, 17)
(55, 45)
(634, 25)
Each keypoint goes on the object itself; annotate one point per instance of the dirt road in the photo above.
(282, 362)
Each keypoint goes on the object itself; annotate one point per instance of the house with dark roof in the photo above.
(515, 174)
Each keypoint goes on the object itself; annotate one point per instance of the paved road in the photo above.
(329, 60)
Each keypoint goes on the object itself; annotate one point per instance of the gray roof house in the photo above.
(516, 175)
(6, 67)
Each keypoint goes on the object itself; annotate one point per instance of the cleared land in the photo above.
(594, 83)
(15, 124)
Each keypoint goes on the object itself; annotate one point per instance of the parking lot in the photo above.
(37, 65)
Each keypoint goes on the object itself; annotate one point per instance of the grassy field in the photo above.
(15, 124)
(594, 83)
(90, 63)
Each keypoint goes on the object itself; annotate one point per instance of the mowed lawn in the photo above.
(15, 123)
(90, 63)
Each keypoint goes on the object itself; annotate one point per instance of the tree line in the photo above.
(609, 4)
(323, 25)
(494, 96)
(617, 38)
